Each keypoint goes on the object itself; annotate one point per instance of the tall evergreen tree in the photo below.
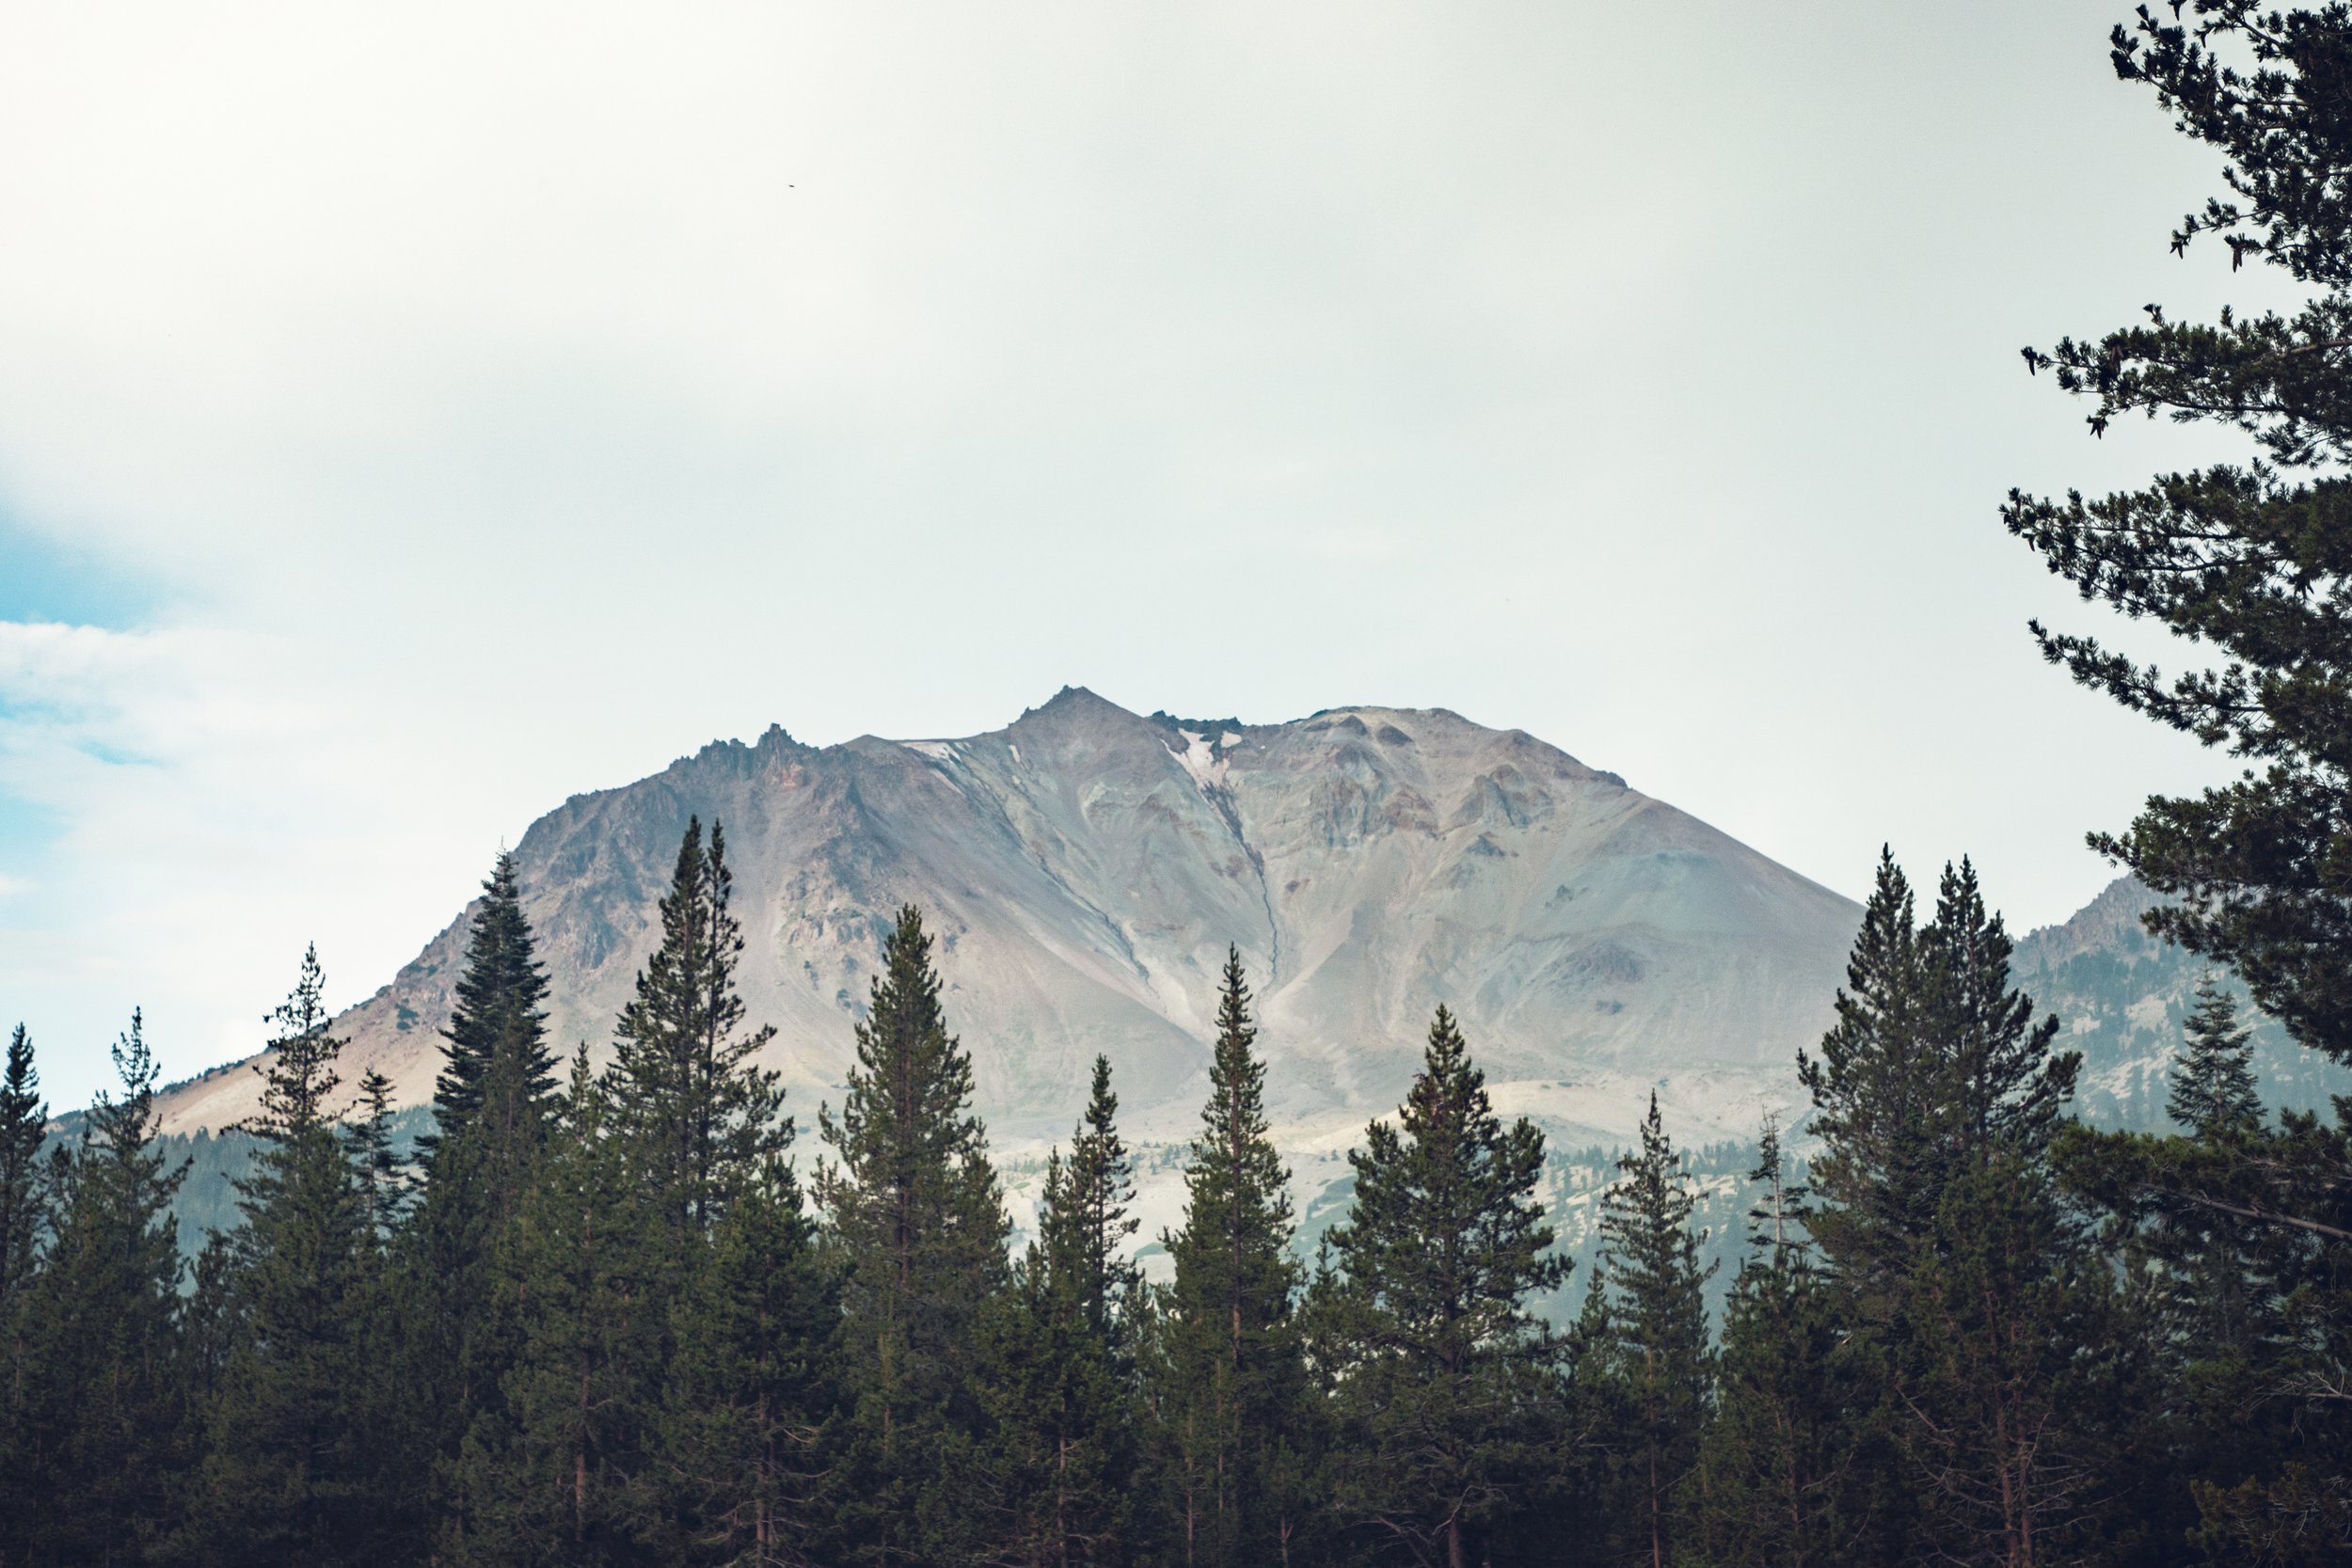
(96, 1421)
(1657, 1335)
(565, 1487)
(2245, 559)
(1054, 1465)
(744, 1450)
(462, 1252)
(288, 1460)
(1874, 1101)
(698, 1115)
(1777, 1458)
(1232, 1380)
(2183, 1209)
(378, 1165)
(23, 1121)
(2212, 1090)
(916, 1215)
(24, 1221)
(1446, 1392)
(495, 1063)
(1087, 1236)
(1937, 1097)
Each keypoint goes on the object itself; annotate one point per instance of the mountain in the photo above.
(2123, 998)
(1085, 867)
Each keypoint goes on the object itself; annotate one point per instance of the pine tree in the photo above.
(916, 1213)
(2213, 1091)
(2244, 559)
(1937, 1097)
(1089, 1230)
(562, 1488)
(380, 1170)
(2005, 1088)
(24, 1222)
(1874, 1101)
(96, 1418)
(1656, 1317)
(698, 1115)
(495, 1063)
(2212, 1278)
(744, 1447)
(462, 1254)
(1445, 1389)
(1778, 1454)
(288, 1467)
(682, 1121)
(24, 1119)
(1233, 1379)
(1055, 1465)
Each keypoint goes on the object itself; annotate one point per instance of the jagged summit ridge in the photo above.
(1086, 866)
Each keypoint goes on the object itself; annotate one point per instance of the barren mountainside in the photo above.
(1085, 867)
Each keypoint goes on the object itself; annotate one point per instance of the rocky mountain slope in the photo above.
(1085, 867)
(2123, 997)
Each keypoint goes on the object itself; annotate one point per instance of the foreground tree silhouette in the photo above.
(699, 1115)
(1446, 1396)
(95, 1419)
(1055, 1465)
(2249, 560)
(1652, 1337)
(742, 1454)
(289, 1452)
(24, 1119)
(1778, 1457)
(1229, 1384)
(917, 1216)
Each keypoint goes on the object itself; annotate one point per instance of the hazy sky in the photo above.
(410, 416)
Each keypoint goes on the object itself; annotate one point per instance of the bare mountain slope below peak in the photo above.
(1084, 869)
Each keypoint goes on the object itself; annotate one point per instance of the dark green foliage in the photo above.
(23, 1115)
(1085, 1234)
(1964, 1277)
(463, 1254)
(496, 1065)
(1446, 1392)
(92, 1419)
(1053, 1467)
(2213, 1086)
(2246, 558)
(289, 1451)
(917, 1216)
(1055, 1464)
(698, 1116)
(743, 1459)
(2240, 1314)
(1230, 1381)
(1934, 1065)
(562, 1485)
(1645, 1338)
(1778, 1460)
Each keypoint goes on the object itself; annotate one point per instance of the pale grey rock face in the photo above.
(1085, 868)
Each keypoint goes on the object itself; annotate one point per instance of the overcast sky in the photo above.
(411, 416)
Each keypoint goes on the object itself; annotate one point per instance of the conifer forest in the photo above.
(632, 1308)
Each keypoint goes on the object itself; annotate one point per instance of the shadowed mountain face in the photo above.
(1085, 867)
